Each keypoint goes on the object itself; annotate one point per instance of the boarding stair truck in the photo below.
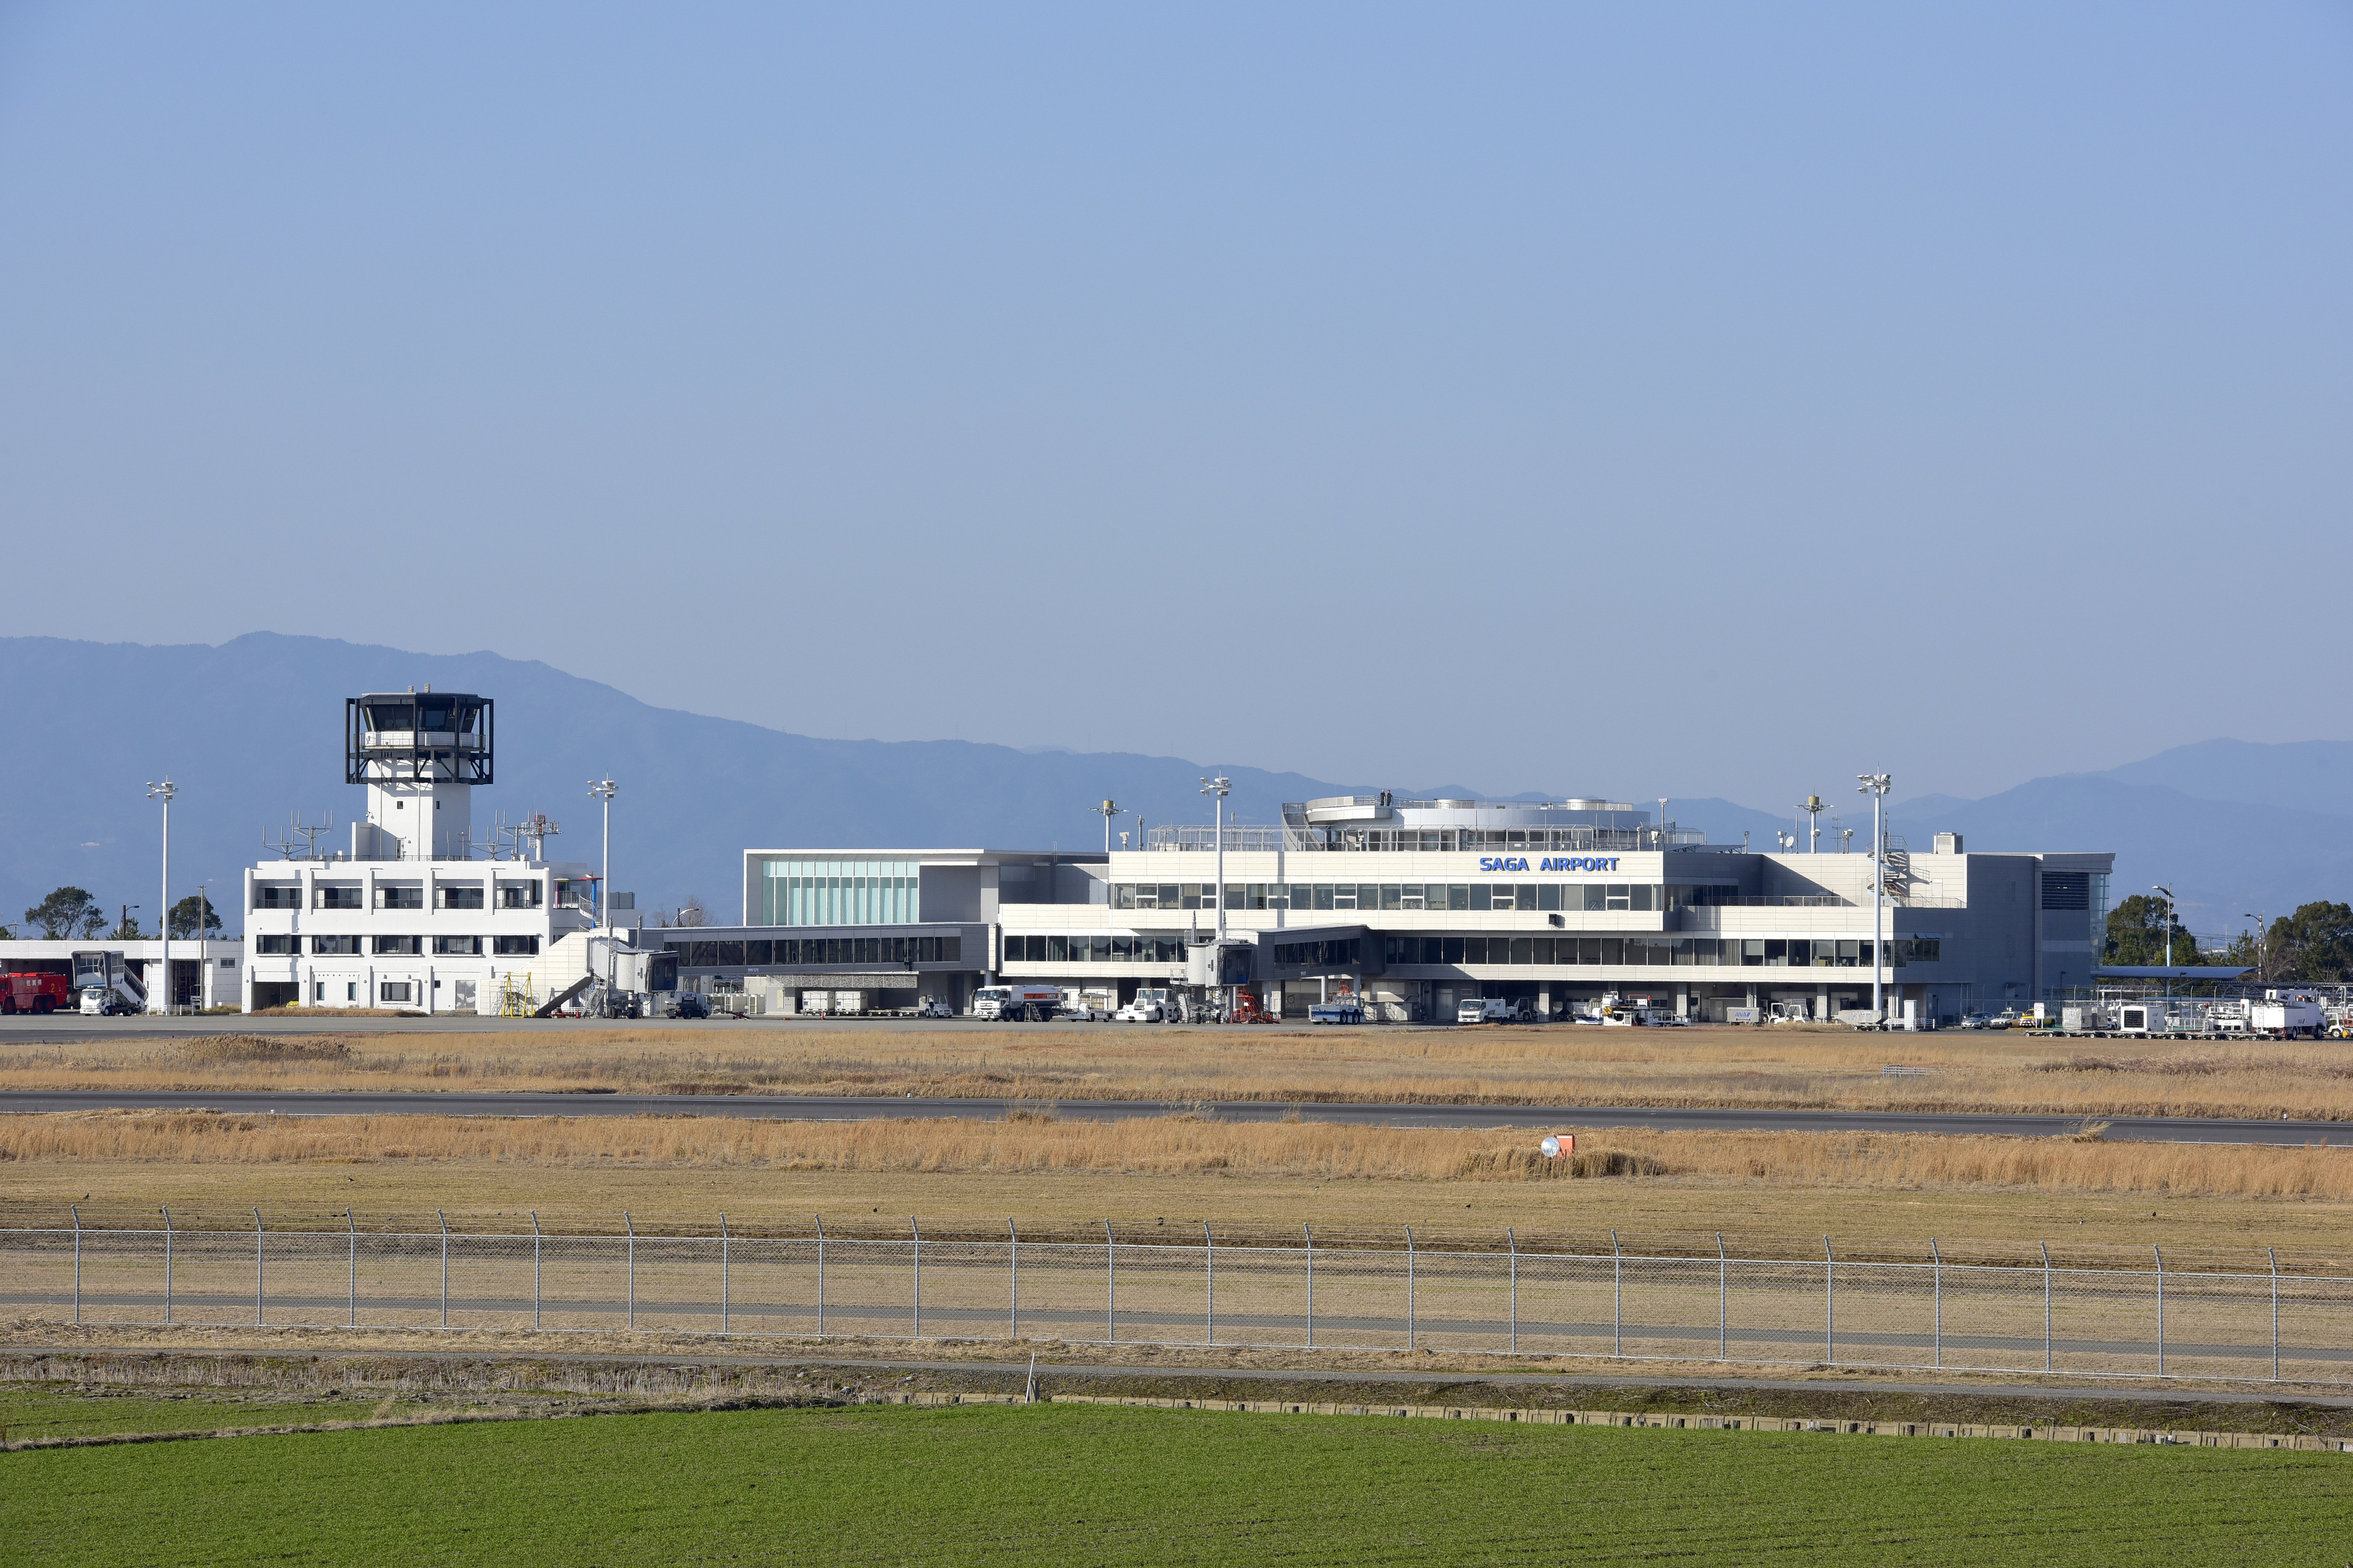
(34, 991)
(1035, 1004)
(2285, 1014)
(105, 983)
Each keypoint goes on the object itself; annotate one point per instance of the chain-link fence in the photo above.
(2248, 1316)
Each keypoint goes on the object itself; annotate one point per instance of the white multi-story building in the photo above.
(1416, 905)
(414, 914)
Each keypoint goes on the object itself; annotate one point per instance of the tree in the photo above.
(186, 913)
(2313, 944)
(127, 931)
(2137, 930)
(67, 913)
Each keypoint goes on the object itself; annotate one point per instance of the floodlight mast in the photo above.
(1108, 810)
(1218, 787)
(159, 996)
(1876, 786)
(2165, 913)
(605, 790)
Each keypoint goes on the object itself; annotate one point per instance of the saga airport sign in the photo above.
(1549, 863)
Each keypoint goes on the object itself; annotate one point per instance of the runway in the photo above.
(854, 1108)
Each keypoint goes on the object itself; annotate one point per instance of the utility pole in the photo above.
(163, 792)
(1876, 786)
(2262, 946)
(1107, 810)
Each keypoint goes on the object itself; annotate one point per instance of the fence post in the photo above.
(2046, 1303)
(351, 1228)
(1936, 1276)
(820, 1276)
(1310, 1231)
(2160, 1310)
(76, 1219)
(1617, 1296)
(1013, 1331)
(1512, 1241)
(445, 1266)
(167, 1264)
(631, 1226)
(918, 1232)
(257, 1266)
(726, 1321)
(534, 1270)
(1412, 1329)
(2272, 1250)
(1723, 1300)
(1209, 1285)
(1110, 1292)
(1829, 1306)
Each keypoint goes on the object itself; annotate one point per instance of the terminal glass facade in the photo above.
(829, 893)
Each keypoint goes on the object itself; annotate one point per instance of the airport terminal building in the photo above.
(1414, 906)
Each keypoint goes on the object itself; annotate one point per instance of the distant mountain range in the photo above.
(251, 732)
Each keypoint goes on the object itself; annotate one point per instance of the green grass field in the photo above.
(1103, 1485)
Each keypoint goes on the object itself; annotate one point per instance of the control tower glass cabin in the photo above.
(420, 754)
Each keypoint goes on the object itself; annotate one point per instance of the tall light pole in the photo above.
(1107, 810)
(2165, 913)
(1876, 786)
(605, 790)
(2263, 945)
(1218, 787)
(159, 997)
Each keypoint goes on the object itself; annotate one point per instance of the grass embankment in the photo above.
(1555, 1064)
(1066, 1483)
(1865, 1186)
(48, 1396)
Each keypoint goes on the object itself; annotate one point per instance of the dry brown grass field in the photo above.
(1186, 1170)
(1800, 1067)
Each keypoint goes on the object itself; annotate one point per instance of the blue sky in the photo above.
(1669, 400)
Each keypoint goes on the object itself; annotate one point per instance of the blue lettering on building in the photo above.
(1549, 863)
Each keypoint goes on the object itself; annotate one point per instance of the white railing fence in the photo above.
(1994, 1310)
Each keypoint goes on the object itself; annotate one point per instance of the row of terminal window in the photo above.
(1093, 948)
(1456, 839)
(1342, 954)
(1603, 896)
(1656, 952)
(348, 946)
(814, 950)
(446, 896)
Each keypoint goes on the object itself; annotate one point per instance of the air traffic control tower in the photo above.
(420, 754)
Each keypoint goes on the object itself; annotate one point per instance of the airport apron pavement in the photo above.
(860, 1108)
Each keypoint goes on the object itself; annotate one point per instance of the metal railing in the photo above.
(2011, 1310)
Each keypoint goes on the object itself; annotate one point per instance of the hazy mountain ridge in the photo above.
(251, 731)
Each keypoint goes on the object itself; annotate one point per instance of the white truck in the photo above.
(1490, 1010)
(2283, 1015)
(1005, 1002)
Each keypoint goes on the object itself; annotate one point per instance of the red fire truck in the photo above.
(32, 991)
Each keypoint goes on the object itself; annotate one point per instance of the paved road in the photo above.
(858, 1108)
